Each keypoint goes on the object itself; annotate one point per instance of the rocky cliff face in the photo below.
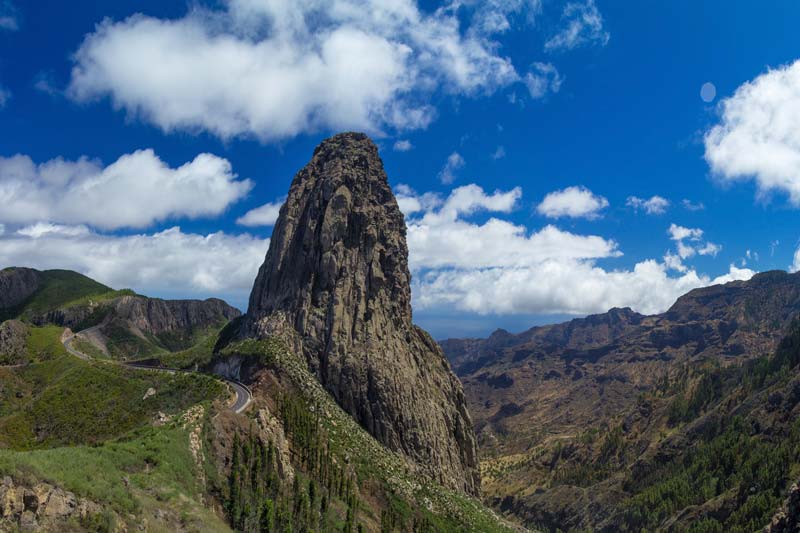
(540, 396)
(156, 316)
(337, 274)
(17, 285)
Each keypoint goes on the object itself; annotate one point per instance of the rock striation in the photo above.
(336, 274)
(157, 316)
(17, 285)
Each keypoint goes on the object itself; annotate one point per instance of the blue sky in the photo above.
(591, 103)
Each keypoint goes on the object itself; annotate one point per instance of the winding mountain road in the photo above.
(243, 393)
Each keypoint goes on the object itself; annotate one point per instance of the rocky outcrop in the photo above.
(337, 273)
(156, 316)
(13, 350)
(17, 285)
(787, 519)
(41, 507)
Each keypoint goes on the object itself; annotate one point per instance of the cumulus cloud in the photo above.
(562, 287)
(583, 24)
(655, 205)
(403, 145)
(448, 173)
(575, 202)
(5, 96)
(695, 245)
(299, 66)
(500, 267)
(543, 78)
(136, 191)
(167, 263)
(265, 215)
(758, 136)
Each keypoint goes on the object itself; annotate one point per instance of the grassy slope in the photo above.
(58, 289)
(407, 493)
(149, 473)
(62, 400)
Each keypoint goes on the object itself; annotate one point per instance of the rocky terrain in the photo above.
(17, 285)
(553, 405)
(336, 274)
(356, 423)
(124, 324)
(13, 345)
(41, 507)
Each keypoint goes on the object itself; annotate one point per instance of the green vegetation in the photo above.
(67, 401)
(122, 343)
(732, 460)
(44, 343)
(151, 469)
(322, 497)
(752, 470)
(58, 288)
(329, 448)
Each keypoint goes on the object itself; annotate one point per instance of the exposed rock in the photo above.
(149, 393)
(42, 507)
(787, 519)
(156, 316)
(337, 272)
(17, 285)
(13, 334)
(272, 428)
(613, 370)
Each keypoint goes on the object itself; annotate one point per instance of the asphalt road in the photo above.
(243, 394)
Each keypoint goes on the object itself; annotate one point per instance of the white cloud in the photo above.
(543, 78)
(692, 206)
(167, 263)
(572, 202)
(655, 205)
(499, 267)
(583, 25)
(678, 233)
(266, 215)
(500, 153)
(410, 202)
(299, 66)
(42, 229)
(403, 145)
(448, 173)
(136, 191)
(758, 136)
(561, 287)
(681, 234)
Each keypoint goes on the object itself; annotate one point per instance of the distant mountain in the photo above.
(121, 324)
(551, 404)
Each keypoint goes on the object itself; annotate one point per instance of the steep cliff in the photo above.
(336, 274)
(17, 285)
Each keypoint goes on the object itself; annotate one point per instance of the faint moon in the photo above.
(708, 92)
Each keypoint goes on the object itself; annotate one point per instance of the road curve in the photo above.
(243, 393)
